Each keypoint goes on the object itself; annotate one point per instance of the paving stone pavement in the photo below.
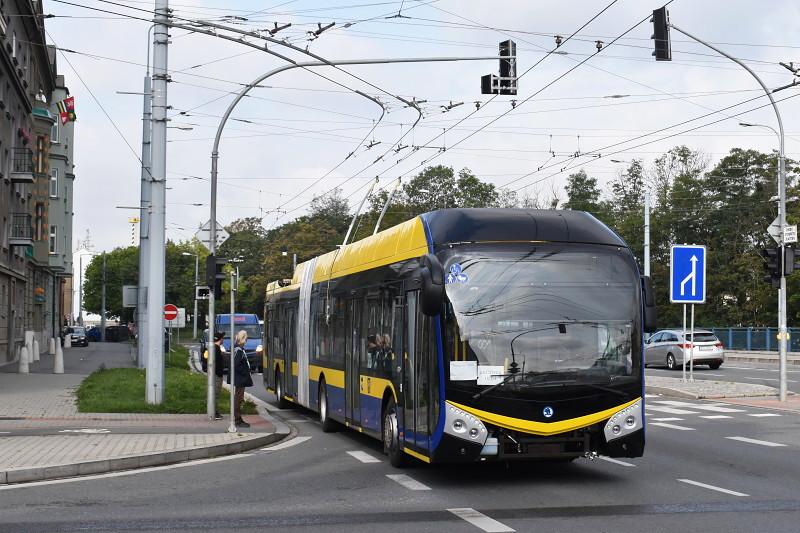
(706, 388)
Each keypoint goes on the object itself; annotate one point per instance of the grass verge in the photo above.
(121, 390)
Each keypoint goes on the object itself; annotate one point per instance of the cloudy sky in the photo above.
(300, 135)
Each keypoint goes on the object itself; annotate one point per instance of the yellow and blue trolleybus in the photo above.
(470, 334)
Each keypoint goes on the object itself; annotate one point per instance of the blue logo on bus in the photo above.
(547, 412)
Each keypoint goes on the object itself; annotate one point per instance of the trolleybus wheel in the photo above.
(671, 364)
(282, 403)
(328, 425)
(391, 436)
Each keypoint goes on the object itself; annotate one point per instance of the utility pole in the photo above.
(144, 218)
(103, 304)
(647, 234)
(194, 295)
(232, 344)
(663, 52)
(154, 393)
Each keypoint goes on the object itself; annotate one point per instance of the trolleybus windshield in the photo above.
(560, 312)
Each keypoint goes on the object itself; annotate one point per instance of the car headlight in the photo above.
(624, 422)
(222, 349)
(259, 348)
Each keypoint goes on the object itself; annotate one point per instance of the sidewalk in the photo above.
(746, 394)
(42, 435)
(734, 356)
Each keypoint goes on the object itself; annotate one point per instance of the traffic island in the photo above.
(705, 389)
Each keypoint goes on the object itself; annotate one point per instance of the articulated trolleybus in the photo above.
(469, 335)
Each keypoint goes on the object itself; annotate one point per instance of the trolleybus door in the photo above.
(353, 345)
(291, 350)
(409, 369)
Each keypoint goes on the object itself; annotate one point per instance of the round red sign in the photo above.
(170, 312)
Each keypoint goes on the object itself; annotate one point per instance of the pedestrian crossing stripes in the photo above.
(763, 415)
(671, 426)
(715, 417)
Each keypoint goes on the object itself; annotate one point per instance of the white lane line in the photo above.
(713, 407)
(124, 472)
(768, 379)
(299, 420)
(408, 482)
(667, 419)
(715, 417)
(761, 415)
(670, 410)
(756, 441)
(670, 426)
(712, 487)
(364, 457)
(288, 444)
(615, 461)
(480, 520)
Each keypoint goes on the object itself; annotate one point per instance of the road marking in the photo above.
(408, 482)
(670, 426)
(761, 415)
(768, 379)
(299, 420)
(756, 441)
(668, 419)
(480, 520)
(615, 461)
(713, 407)
(715, 417)
(670, 410)
(288, 444)
(124, 472)
(364, 457)
(712, 487)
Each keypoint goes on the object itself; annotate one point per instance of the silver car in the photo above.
(668, 347)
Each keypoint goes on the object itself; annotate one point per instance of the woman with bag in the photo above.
(241, 377)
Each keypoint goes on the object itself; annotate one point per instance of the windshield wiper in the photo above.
(581, 384)
(489, 389)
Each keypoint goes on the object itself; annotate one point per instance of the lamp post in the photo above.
(196, 268)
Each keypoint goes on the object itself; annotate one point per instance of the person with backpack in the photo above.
(241, 377)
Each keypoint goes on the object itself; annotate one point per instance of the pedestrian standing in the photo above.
(219, 360)
(241, 377)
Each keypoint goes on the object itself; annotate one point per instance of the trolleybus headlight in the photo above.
(458, 425)
(630, 421)
(624, 422)
(464, 425)
(473, 433)
(616, 429)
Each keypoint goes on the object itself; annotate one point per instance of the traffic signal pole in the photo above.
(782, 332)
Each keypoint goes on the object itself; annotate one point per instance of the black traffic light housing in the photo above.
(506, 82)
(215, 273)
(772, 266)
(791, 260)
(663, 46)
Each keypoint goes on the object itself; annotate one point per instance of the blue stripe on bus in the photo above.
(371, 412)
(437, 434)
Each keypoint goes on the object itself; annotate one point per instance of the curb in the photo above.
(678, 393)
(757, 359)
(41, 473)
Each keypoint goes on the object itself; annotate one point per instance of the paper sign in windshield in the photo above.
(455, 275)
(490, 375)
(463, 370)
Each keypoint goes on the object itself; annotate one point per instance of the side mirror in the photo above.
(649, 298)
(431, 276)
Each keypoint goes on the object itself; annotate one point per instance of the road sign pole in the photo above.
(231, 373)
(691, 351)
(684, 343)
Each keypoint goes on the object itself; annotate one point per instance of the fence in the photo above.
(760, 339)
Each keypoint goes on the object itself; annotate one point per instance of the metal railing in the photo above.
(22, 160)
(21, 227)
(752, 339)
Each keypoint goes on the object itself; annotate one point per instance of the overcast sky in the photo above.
(302, 127)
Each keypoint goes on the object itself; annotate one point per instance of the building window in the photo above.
(54, 132)
(53, 239)
(53, 183)
(39, 226)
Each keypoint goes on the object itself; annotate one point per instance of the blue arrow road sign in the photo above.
(687, 274)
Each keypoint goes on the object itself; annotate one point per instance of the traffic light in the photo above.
(215, 273)
(772, 265)
(660, 20)
(506, 83)
(791, 260)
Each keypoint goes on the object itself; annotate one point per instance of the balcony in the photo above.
(21, 230)
(22, 165)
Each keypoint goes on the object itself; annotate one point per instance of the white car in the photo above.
(668, 347)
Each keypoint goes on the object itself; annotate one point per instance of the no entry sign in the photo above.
(170, 312)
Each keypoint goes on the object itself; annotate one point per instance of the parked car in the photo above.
(669, 347)
(78, 334)
(93, 334)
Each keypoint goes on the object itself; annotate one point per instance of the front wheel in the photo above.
(328, 425)
(281, 401)
(714, 366)
(391, 436)
(671, 363)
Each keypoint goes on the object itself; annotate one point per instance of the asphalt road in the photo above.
(699, 473)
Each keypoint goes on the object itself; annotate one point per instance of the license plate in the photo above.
(706, 348)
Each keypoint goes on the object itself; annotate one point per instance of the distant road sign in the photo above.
(204, 235)
(687, 274)
(170, 312)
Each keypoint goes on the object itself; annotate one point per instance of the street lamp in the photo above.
(196, 267)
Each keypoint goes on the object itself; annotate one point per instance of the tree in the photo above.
(122, 268)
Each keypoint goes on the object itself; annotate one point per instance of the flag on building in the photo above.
(66, 110)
